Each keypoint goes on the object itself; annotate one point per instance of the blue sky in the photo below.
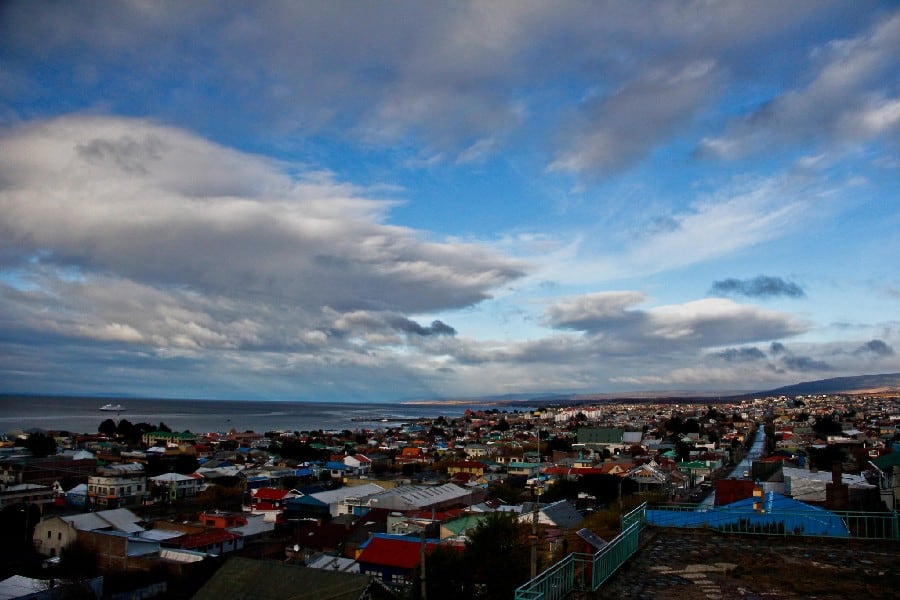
(382, 201)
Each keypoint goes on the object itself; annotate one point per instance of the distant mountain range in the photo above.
(860, 384)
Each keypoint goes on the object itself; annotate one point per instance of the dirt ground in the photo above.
(682, 564)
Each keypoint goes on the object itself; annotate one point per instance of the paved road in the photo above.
(756, 451)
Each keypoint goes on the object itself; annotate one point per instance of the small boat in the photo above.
(113, 407)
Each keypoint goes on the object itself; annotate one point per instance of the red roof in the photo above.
(393, 552)
(270, 494)
(441, 515)
(574, 471)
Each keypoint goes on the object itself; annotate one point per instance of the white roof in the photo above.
(118, 519)
(218, 471)
(18, 586)
(256, 524)
(124, 468)
(412, 497)
(334, 496)
(80, 455)
(848, 478)
(160, 535)
(334, 563)
(172, 477)
(24, 487)
(181, 556)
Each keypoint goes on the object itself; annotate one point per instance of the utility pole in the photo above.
(534, 532)
(422, 565)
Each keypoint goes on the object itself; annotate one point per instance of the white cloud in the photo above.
(701, 323)
(445, 75)
(850, 96)
(740, 215)
(157, 205)
(628, 123)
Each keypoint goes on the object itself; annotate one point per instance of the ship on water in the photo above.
(112, 407)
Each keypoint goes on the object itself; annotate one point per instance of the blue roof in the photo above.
(307, 500)
(335, 465)
(775, 510)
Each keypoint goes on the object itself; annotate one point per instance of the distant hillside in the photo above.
(859, 384)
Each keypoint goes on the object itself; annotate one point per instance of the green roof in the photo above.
(248, 578)
(695, 464)
(887, 461)
(464, 523)
(604, 435)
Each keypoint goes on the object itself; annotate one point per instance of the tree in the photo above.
(827, 425)
(185, 464)
(107, 428)
(674, 425)
(559, 443)
(691, 426)
(498, 556)
(683, 450)
(446, 575)
(505, 492)
(221, 497)
(40, 444)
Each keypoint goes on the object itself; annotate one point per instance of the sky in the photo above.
(381, 201)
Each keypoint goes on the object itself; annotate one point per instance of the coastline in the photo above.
(83, 415)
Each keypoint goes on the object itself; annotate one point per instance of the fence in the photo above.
(587, 572)
(810, 522)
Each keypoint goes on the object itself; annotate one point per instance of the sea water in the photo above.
(83, 415)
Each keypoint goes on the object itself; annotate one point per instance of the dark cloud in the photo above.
(409, 326)
(762, 286)
(740, 355)
(777, 348)
(877, 347)
(805, 363)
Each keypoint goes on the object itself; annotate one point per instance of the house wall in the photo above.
(111, 550)
(114, 492)
(52, 535)
(386, 574)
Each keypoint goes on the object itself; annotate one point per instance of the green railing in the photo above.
(587, 572)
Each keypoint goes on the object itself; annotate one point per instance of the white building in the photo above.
(117, 485)
(178, 485)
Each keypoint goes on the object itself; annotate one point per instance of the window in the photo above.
(49, 535)
(59, 536)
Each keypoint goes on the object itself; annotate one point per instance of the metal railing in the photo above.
(587, 572)
(807, 523)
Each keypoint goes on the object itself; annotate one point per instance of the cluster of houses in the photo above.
(373, 501)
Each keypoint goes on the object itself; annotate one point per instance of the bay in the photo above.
(83, 415)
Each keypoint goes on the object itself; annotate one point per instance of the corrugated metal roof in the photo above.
(773, 510)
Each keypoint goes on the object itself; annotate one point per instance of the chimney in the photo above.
(837, 493)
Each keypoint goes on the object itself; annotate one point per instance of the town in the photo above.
(486, 500)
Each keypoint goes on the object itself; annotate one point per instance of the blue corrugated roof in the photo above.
(774, 510)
